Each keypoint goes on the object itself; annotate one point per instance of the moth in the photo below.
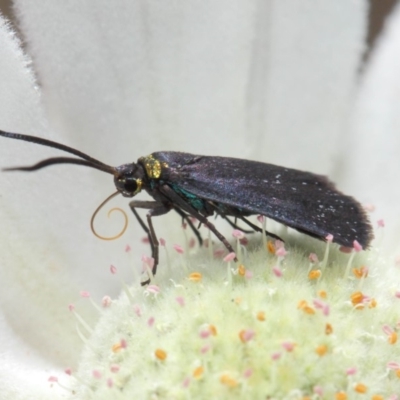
(201, 186)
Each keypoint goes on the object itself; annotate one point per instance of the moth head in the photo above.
(128, 179)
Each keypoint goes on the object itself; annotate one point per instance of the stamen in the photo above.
(392, 338)
(245, 335)
(195, 277)
(227, 380)
(314, 274)
(360, 388)
(261, 316)
(321, 349)
(270, 247)
(340, 396)
(361, 272)
(160, 354)
(198, 372)
(328, 329)
(213, 330)
(356, 298)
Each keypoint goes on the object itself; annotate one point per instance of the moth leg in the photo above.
(258, 229)
(144, 227)
(234, 225)
(190, 223)
(184, 205)
(155, 208)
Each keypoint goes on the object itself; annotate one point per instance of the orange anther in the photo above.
(195, 277)
(314, 274)
(160, 354)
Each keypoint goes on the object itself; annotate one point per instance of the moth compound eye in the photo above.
(130, 185)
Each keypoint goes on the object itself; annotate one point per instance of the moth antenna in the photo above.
(53, 161)
(59, 146)
(109, 213)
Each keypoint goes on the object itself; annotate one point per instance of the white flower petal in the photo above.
(374, 146)
(267, 80)
(28, 330)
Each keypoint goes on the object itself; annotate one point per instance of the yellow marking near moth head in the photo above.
(153, 166)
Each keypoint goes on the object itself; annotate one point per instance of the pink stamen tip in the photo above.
(397, 294)
(288, 346)
(124, 344)
(71, 307)
(205, 334)
(180, 300)
(366, 299)
(388, 330)
(326, 310)
(84, 294)
(96, 374)
(106, 301)
(205, 349)
(248, 274)
(369, 207)
(248, 334)
(145, 240)
(68, 371)
(260, 218)
(128, 248)
(381, 223)
(113, 269)
(279, 244)
(393, 365)
(276, 356)
(178, 248)
(186, 382)
(313, 258)
(110, 383)
(162, 242)
(248, 373)
(148, 261)
(154, 289)
(150, 321)
(351, 371)
(277, 271)
(52, 379)
(357, 246)
(137, 310)
(114, 368)
(329, 238)
(244, 241)
(281, 252)
(230, 257)
(237, 234)
(184, 225)
(318, 390)
(345, 249)
(218, 253)
(192, 243)
(318, 303)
